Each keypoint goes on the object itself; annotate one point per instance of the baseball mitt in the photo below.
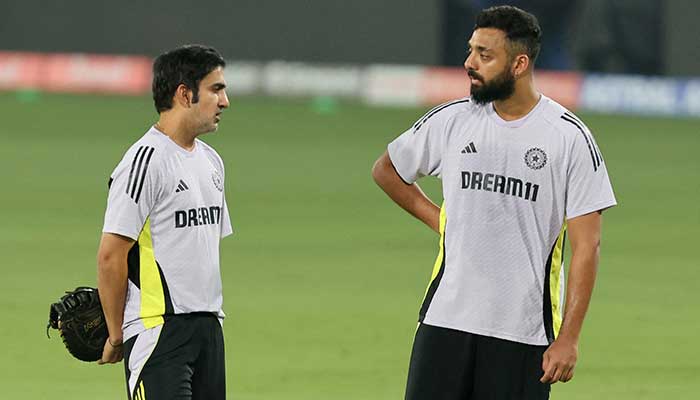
(79, 319)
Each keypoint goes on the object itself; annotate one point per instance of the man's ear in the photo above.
(521, 63)
(183, 96)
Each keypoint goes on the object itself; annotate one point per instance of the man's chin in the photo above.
(483, 96)
(209, 128)
(479, 98)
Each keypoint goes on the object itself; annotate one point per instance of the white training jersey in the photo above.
(171, 201)
(508, 189)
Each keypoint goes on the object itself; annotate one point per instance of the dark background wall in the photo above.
(623, 36)
(682, 38)
(358, 31)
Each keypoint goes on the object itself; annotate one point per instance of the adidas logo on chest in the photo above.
(469, 149)
(181, 187)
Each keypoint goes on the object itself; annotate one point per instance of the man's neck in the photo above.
(523, 100)
(177, 130)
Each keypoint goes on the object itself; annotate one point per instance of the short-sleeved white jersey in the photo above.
(171, 201)
(508, 189)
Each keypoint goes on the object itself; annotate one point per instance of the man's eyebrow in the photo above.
(480, 49)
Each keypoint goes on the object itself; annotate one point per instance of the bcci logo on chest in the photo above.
(535, 158)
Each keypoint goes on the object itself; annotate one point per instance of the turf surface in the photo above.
(324, 276)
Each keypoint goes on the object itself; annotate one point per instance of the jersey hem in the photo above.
(133, 330)
(228, 233)
(121, 232)
(596, 207)
(136, 327)
(485, 332)
(396, 167)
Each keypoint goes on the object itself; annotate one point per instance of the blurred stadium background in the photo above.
(324, 276)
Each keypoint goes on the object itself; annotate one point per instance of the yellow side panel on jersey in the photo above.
(152, 297)
(555, 281)
(441, 253)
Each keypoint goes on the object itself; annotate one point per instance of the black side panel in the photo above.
(547, 300)
(433, 286)
(134, 265)
(166, 292)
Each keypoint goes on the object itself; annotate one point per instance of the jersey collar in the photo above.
(491, 112)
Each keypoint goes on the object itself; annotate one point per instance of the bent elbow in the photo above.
(108, 258)
(104, 258)
(378, 170)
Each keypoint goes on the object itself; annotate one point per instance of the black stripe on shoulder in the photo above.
(596, 151)
(420, 120)
(573, 122)
(143, 174)
(135, 183)
(434, 111)
(131, 171)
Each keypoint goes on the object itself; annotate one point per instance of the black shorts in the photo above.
(181, 359)
(452, 365)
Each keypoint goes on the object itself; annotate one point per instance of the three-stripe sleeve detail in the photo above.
(596, 150)
(137, 174)
(595, 155)
(143, 174)
(434, 111)
(131, 171)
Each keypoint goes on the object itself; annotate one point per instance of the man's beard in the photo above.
(499, 88)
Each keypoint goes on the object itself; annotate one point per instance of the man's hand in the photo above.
(112, 352)
(559, 360)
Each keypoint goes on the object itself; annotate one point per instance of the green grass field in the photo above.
(324, 277)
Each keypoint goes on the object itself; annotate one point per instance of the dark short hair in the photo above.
(521, 28)
(186, 65)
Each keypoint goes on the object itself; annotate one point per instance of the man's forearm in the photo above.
(111, 283)
(582, 274)
(559, 361)
(409, 197)
(412, 199)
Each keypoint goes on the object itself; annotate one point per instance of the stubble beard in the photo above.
(207, 126)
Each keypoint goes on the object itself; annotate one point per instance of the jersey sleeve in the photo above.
(133, 190)
(418, 151)
(588, 184)
(226, 228)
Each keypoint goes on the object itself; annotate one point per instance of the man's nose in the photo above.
(469, 62)
(223, 100)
